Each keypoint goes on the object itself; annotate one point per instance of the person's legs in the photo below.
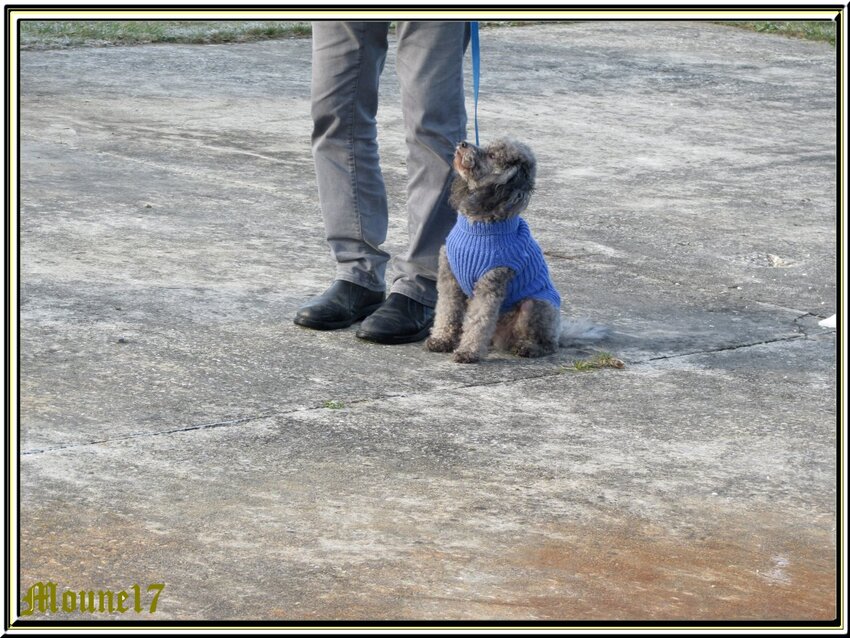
(347, 62)
(430, 72)
(348, 58)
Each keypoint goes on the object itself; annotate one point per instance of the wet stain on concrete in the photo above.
(623, 573)
(762, 568)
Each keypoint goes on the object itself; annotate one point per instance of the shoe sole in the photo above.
(394, 339)
(336, 325)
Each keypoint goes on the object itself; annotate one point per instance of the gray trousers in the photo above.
(348, 58)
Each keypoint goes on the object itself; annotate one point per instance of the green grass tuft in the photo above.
(601, 360)
(333, 405)
(822, 31)
(52, 34)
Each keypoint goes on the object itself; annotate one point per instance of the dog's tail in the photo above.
(581, 332)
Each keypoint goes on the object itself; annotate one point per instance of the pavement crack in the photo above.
(137, 435)
(265, 415)
(545, 374)
(740, 346)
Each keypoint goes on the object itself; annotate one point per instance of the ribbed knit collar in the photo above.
(504, 227)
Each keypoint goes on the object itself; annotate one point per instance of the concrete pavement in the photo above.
(177, 428)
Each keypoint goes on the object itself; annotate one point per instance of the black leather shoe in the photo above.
(399, 320)
(339, 306)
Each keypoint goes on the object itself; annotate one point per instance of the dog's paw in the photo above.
(525, 351)
(533, 349)
(437, 344)
(466, 357)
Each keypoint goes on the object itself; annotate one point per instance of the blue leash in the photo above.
(476, 70)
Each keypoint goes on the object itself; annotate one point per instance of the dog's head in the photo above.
(493, 182)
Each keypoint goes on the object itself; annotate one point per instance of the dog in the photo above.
(493, 283)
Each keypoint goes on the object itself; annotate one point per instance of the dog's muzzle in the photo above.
(465, 155)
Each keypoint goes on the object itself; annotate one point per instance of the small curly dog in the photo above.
(493, 284)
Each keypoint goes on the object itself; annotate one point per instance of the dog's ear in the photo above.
(508, 193)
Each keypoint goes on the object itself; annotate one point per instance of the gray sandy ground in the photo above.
(174, 423)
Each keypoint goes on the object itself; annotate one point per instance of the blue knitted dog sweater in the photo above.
(476, 248)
